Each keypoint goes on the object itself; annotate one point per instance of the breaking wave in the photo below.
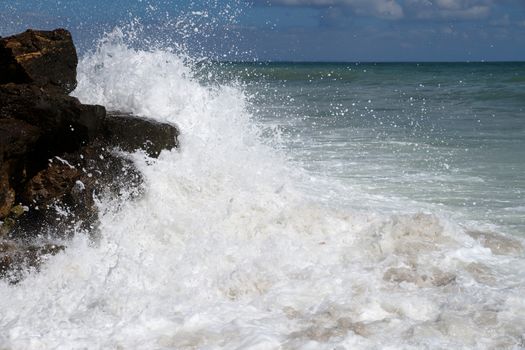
(232, 246)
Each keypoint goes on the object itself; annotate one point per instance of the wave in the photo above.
(231, 246)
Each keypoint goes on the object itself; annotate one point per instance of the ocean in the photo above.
(451, 135)
(310, 206)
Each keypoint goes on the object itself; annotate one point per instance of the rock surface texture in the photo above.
(57, 154)
(44, 58)
(131, 133)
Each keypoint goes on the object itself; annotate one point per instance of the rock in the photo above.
(131, 133)
(45, 58)
(62, 196)
(51, 184)
(35, 125)
(17, 211)
(6, 227)
(17, 139)
(64, 123)
(17, 257)
(481, 273)
(104, 170)
(7, 194)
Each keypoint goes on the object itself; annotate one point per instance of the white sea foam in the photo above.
(228, 247)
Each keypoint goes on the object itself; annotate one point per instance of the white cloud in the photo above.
(397, 9)
(449, 9)
(389, 9)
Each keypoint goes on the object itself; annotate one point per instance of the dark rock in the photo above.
(17, 257)
(35, 125)
(10, 221)
(17, 138)
(7, 193)
(131, 133)
(45, 58)
(65, 124)
(62, 196)
(104, 170)
(51, 184)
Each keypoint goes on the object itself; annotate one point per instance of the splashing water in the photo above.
(231, 246)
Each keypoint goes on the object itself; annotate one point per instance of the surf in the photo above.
(232, 245)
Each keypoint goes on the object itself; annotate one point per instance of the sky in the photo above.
(296, 30)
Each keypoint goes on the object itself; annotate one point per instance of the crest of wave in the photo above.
(176, 248)
(220, 144)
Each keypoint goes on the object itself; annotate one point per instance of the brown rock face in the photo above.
(7, 194)
(51, 184)
(64, 122)
(45, 58)
(62, 196)
(131, 133)
(17, 138)
(35, 125)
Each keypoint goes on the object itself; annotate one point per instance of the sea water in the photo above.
(448, 134)
(310, 206)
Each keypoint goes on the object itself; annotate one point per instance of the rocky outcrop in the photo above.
(58, 155)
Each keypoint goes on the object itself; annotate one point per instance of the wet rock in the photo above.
(63, 122)
(10, 221)
(6, 226)
(17, 211)
(17, 138)
(326, 327)
(62, 196)
(18, 257)
(44, 58)
(36, 124)
(7, 194)
(400, 274)
(51, 184)
(131, 133)
(105, 170)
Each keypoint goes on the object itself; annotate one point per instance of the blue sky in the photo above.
(298, 30)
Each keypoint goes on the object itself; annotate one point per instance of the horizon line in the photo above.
(365, 61)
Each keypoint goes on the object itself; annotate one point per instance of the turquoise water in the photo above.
(450, 135)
